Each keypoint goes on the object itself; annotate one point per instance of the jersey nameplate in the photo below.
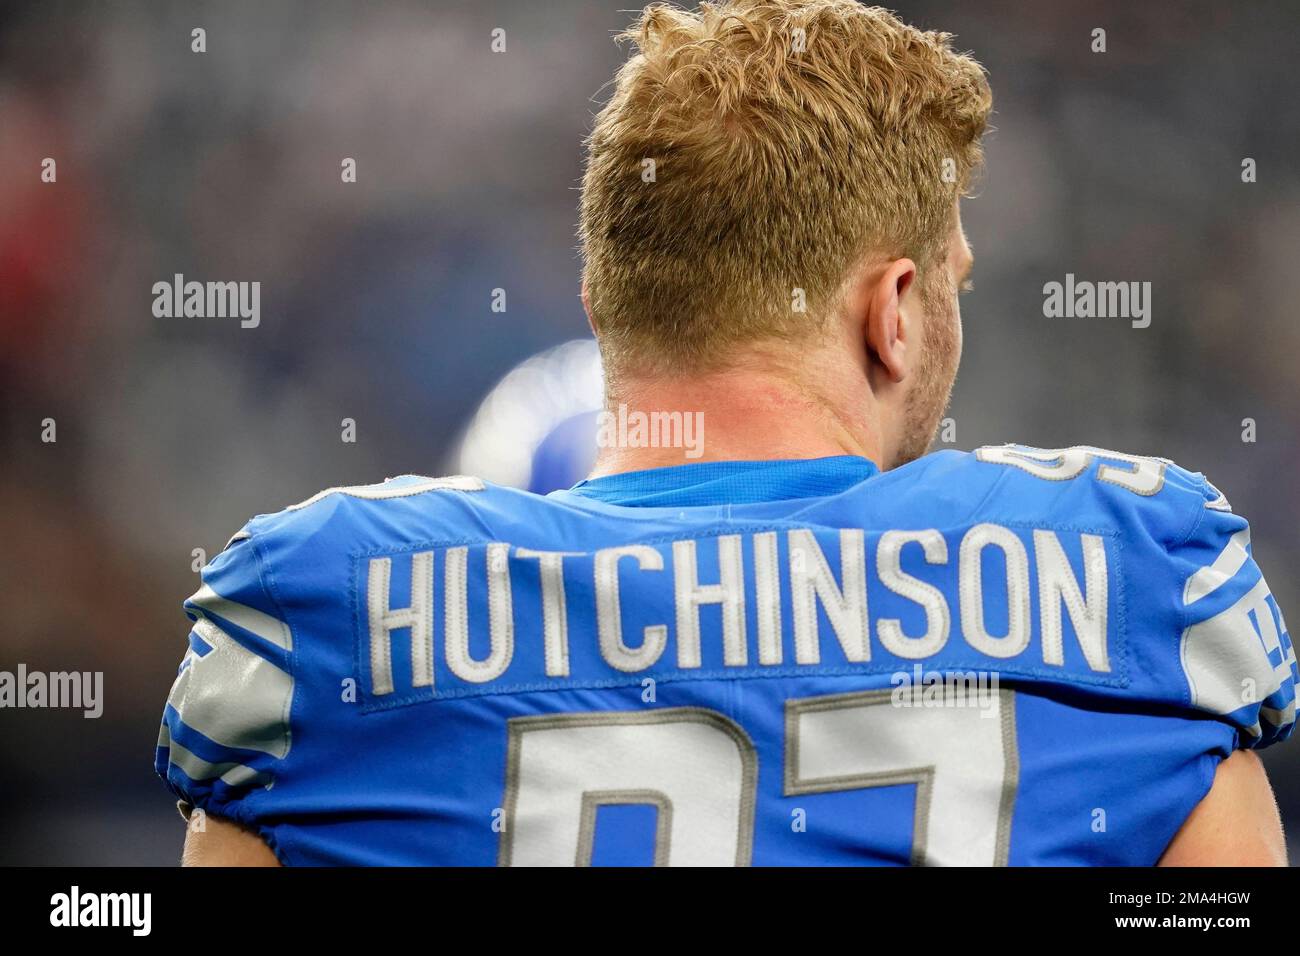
(441, 620)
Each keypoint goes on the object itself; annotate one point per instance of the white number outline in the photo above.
(517, 727)
(1144, 475)
(922, 773)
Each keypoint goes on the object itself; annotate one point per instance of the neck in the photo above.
(740, 415)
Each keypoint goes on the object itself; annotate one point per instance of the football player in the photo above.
(767, 629)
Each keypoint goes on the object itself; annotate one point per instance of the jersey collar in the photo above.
(728, 482)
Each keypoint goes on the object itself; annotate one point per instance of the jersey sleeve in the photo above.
(1234, 649)
(225, 727)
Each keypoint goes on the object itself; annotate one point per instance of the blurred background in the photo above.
(376, 298)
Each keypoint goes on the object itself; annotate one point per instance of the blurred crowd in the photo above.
(377, 296)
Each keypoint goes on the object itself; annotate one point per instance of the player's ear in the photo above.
(888, 328)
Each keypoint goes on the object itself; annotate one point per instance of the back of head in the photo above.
(751, 152)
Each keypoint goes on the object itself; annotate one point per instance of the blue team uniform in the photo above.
(1012, 656)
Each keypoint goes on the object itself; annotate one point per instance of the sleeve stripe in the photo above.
(1228, 663)
(1221, 653)
(243, 535)
(206, 602)
(230, 773)
(1279, 718)
(232, 696)
(1209, 579)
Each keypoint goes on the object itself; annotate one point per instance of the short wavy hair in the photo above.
(788, 138)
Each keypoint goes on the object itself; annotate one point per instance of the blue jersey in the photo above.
(1013, 656)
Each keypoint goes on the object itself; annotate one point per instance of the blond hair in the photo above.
(756, 148)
